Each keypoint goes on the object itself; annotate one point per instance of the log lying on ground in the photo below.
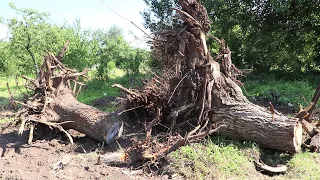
(251, 122)
(54, 104)
(205, 90)
(247, 121)
(81, 117)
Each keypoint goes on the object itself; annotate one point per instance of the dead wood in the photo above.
(54, 102)
(309, 128)
(198, 90)
(195, 96)
(279, 169)
(315, 143)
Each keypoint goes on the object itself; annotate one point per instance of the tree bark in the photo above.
(207, 92)
(84, 118)
(247, 121)
(207, 89)
(54, 103)
(250, 122)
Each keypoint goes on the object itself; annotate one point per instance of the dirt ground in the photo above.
(52, 157)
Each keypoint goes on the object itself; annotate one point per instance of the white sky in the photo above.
(92, 13)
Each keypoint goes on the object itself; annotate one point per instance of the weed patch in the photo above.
(280, 92)
(225, 158)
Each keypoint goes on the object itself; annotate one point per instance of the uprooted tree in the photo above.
(194, 96)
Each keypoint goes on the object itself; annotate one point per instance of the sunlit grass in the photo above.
(213, 159)
(298, 92)
(4, 120)
(224, 158)
(16, 91)
(97, 89)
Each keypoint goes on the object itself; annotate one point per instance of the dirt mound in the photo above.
(52, 157)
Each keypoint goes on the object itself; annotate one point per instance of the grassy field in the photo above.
(216, 157)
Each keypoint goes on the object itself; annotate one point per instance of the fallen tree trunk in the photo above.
(204, 91)
(81, 117)
(200, 95)
(254, 123)
(54, 104)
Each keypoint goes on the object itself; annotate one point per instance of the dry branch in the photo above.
(264, 167)
(54, 103)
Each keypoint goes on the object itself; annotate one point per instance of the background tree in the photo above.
(114, 52)
(264, 35)
(31, 36)
(27, 37)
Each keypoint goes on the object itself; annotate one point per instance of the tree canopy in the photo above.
(264, 35)
(31, 36)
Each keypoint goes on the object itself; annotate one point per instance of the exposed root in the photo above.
(46, 87)
(31, 134)
(279, 169)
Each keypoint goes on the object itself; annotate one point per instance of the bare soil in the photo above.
(52, 157)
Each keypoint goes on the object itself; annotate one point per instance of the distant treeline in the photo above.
(31, 36)
(263, 35)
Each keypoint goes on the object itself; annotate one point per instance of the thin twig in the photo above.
(177, 86)
(129, 110)
(127, 20)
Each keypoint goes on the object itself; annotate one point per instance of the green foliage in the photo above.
(27, 37)
(7, 67)
(83, 47)
(268, 34)
(116, 52)
(159, 15)
(281, 91)
(264, 35)
(31, 37)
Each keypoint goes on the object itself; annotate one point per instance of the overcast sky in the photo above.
(92, 13)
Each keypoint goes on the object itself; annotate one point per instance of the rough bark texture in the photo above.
(54, 104)
(196, 96)
(204, 90)
(86, 119)
(250, 122)
(247, 121)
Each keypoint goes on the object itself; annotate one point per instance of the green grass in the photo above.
(281, 91)
(4, 120)
(97, 89)
(15, 90)
(304, 166)
(217, 157)
(224, 158)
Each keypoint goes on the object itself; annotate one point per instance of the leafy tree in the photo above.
(83, 47)
(6, 66)
(115, 51)
(264, 35)
(27, 36)
(31, 37)
(159, 15)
